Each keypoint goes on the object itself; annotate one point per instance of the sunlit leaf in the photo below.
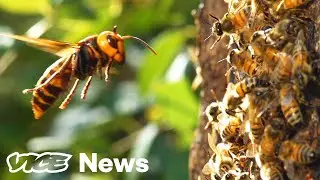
(25, 7)
(167, 45)
(80, 28)
(13, 176)
(142, 146)
(81, 176)
(179, 105)
(168, 160)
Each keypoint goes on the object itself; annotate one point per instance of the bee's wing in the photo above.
(55, 47)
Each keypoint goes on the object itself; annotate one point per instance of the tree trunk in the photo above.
(213, 74)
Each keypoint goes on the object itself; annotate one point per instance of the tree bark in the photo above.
(213, 74)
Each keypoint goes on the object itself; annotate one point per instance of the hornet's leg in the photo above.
(107, 70)
(86, 87)
(67, 100)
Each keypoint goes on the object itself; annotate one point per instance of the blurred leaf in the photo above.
(25, 7)
(167, 160)
(81, 176)
(80, 29)
(10, 176)
(106, 9)
(105, 125)
(5, 174)
(167, 45)
(179, 105)
(142, 146)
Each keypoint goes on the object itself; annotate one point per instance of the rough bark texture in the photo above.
(214, 79)
(213, 74)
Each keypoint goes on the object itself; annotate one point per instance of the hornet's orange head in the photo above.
(111, 43)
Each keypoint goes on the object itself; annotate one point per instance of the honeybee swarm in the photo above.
(274, 75)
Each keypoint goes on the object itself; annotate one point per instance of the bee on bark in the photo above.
(256, 127)
(262, 47)
(273, 170)
(278, 8)
(259, 23)
(78, 61)
(297, 153)
(290, 106)
(301, 67)
(260, 112)
(213, 110)
(286, 30)
(230, 23)
(233, 104)
(283, 70)
(224, 158)
(221, 162)
(248, 84)
(270, 141)
(231, 130)
(290, 4)
(235, 94)
(244, 61)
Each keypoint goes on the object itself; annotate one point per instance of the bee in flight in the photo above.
(81, 61)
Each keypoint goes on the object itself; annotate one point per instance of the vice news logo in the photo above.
(49, 162)
(55, 162)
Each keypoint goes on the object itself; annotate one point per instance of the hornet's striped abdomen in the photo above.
(44, 97)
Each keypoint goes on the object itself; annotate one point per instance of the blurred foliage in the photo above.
(146, 110)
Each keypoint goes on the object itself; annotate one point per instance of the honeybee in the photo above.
(232, 102)
(224, 159)
(261, 110)
(213, 110)
(297, 153)
(79, 61)
(255, 119)
(283, 70)
(230, 23)
(235, 94)
(256, 127)
(261, 46)
(248, 84)
(270, 142)
(232, 129)
(301, 67)
(258, 23)
(243, 160)
(278, 8)
(290, 4)
(290, 106)
(221, 162)
(286, 30)
(244, 61)
(273, 170)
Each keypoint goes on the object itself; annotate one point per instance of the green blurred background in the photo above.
(148, 108)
